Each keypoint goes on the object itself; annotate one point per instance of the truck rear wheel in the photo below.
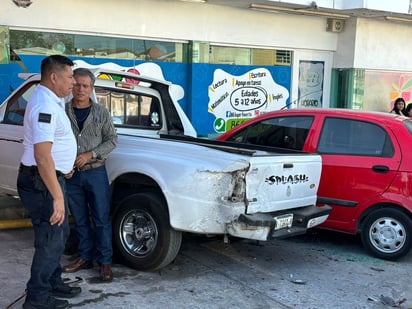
(143, 236)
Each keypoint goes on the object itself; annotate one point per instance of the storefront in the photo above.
(232, 63)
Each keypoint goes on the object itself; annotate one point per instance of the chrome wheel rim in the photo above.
(138, 233)
(387, 235)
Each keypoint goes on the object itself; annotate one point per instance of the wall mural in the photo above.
(235, 99)
(150, 69)
(216, 97)
(382, 88)
(401, 89)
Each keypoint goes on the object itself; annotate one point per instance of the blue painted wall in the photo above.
(194, 78)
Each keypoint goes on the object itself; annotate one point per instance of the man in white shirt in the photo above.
(49, 154)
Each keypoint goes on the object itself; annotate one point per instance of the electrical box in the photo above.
(334, 25)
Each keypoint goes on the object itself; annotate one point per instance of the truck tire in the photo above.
(386, 233)
(143, 237)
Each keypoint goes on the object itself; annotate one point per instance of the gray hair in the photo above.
(84, 72)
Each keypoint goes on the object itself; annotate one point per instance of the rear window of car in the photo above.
(354, 137)
(281, 132)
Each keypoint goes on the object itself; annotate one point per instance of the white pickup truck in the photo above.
(165, 181)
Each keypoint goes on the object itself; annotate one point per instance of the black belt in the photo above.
(34, 170)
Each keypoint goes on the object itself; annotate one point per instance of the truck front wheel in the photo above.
(143, 236)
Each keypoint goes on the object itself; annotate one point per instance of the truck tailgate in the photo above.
(282, 182)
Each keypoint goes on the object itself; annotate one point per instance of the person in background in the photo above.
(399, 107)
(88, 189)
(408, 110)
(48, 157)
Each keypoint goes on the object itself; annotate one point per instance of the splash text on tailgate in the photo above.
(291, 179)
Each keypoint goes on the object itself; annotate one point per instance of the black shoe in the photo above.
(65, 291)
(50, 303)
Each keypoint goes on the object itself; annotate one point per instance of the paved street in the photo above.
(329, 270)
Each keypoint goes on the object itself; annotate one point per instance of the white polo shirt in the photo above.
(45, 120)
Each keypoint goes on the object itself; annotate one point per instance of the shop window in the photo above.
(45, 43)
(271, 57)
(229, 55)
(204, 52)
(4, 45)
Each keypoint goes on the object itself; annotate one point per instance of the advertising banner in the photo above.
(235, 99)
(310, 89)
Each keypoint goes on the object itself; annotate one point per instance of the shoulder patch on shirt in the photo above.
(44, 117)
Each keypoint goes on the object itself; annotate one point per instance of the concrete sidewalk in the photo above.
(210, 274)
(329, 270)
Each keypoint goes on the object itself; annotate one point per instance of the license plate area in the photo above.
(283, 221)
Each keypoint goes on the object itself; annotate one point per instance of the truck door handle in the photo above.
(380, 169)
(288, 165)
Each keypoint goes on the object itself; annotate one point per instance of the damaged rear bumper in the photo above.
(266, 226)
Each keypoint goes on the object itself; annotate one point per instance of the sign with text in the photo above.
(310, 89)
(235, 99)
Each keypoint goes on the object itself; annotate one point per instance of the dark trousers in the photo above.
(88, 195)
(49, 240)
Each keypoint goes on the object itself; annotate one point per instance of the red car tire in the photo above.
(386, 233)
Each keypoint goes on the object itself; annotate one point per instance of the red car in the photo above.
(366, 168)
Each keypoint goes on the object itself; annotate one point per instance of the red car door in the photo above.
(359, 162)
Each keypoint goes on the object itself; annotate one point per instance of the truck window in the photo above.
(131, 109)
(16, 106)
